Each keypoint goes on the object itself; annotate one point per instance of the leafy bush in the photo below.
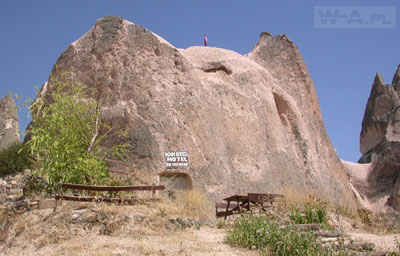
(67, 134)
(312, 212)
(259, 233)
(14, 159)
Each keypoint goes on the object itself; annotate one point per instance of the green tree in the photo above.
(66, 134)
(13, 159)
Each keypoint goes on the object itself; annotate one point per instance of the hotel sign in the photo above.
(175, 159)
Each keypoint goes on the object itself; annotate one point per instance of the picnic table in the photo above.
(246, 202)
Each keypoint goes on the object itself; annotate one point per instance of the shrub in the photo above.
(14, 159)
(255, 232)
(67, 134)
(312, 212)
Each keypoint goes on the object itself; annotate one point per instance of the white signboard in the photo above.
(176, 159)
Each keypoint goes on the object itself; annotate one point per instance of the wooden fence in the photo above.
(62, 186)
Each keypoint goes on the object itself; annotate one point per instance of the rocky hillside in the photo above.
(9, 131)
(250, 123)
(377, 177)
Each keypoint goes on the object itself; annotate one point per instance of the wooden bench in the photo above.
(62, 186)
(260, 199)
(220, 209)
(237, 203)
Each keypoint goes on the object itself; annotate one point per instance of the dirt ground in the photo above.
(90, 229)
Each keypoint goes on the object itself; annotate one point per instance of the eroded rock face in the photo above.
(9, 130)
(250, 123)
(377, 114)
(380, 142)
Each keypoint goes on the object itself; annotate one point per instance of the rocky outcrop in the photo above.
(378, 112)
(250, 123)
(380, 146)
(9, 130)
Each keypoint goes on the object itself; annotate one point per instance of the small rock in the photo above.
(14, 197)
(328, 239)
(169, 227)
(361, 246)
(47, 203)
(327, 233)
(79, 217)
(373, 253)
(15, 191)
(206, 222)
(27, 172)
(101, 216)
(75, 217)
(138, 218)
(3, 198)
(33, 205)
(309, 226)
(180, 222)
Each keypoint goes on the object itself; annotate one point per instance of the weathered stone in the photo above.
(377, 181)
(47, 203)
(328, 240)
(15, 191)
(15, 197)
(27, 172)
(3, 198)
(396, 80)
(361, 246)
(375, 253)
(9, 130)
(250, 123)
(327, 233)
(377, 114)
(315, 226)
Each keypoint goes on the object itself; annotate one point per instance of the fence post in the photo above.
(59, 186)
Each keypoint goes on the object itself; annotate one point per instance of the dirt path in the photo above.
(382, 242)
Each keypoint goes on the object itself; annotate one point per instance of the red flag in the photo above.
(205, 40)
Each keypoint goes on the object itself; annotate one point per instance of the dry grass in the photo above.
(296, 198)
(379, 224)
(19, 225)
(195, 203)
(191, 203)
(5, 221)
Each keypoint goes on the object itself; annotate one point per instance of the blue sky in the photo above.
(341, 61)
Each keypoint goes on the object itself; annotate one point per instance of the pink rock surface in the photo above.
(250, 123)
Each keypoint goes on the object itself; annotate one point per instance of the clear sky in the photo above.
(342, 61)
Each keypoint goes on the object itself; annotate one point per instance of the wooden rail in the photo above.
(119, 162)
(132, 166)
(110, 188)
(103, 199)
(61, 186)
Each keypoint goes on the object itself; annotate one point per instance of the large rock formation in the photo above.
(380, 146)
(250, 123)
(9, 130)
